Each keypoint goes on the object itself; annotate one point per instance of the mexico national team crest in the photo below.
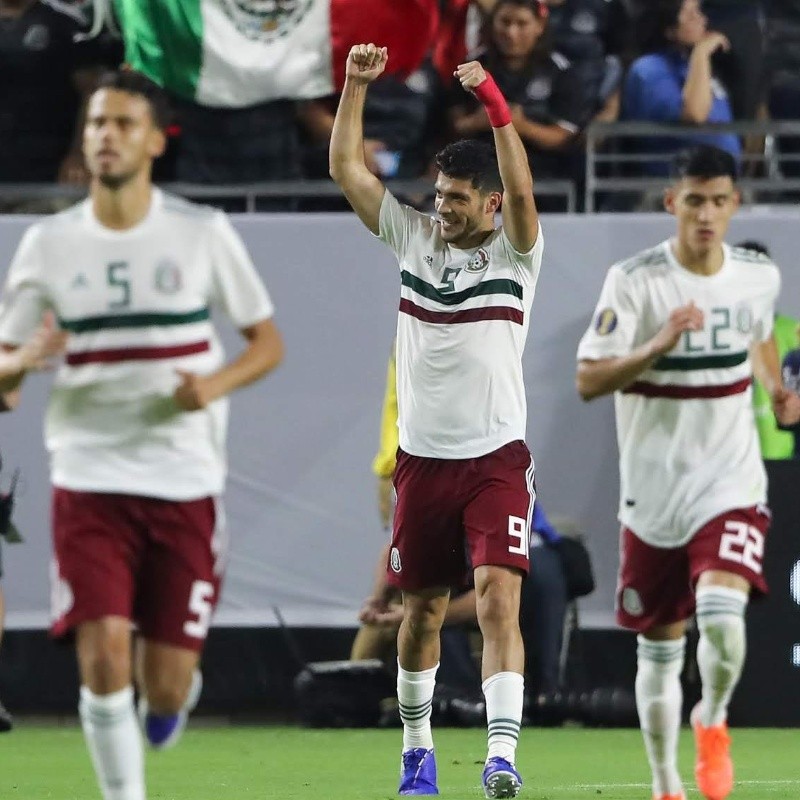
(168, 278)
(632, 602)
(266, 20)
(606, 322)
(394, 560)
(478, 262)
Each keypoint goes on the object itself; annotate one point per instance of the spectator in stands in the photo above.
(45, 75)
(548, 100)
(674, 81)
(783, 74)
(595, 36)
(397, 125)
(740, 68)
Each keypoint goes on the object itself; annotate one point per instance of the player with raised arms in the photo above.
(464, 476)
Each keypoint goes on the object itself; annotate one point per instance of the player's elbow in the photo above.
(272, 353)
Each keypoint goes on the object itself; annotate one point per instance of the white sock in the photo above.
(659, 700)
(504, 693)
(115, 744)
(721, 649)
(415, 696)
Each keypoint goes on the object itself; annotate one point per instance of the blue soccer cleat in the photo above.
(164, 730)
(418, 772)
(500, 778)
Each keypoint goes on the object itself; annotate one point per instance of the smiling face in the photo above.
(516, 30)
(703, 208)
(120, 137)
(465, 213)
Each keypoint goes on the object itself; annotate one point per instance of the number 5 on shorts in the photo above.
(200, 605)
(743, 544)
(518, 532)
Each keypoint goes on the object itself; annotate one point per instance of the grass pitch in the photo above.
(236, 763)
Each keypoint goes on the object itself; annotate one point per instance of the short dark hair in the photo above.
(473, 160)
(654, 20)
(755, 246)
(132, 82)
(537, 7)
(544, 45)
(703, 161)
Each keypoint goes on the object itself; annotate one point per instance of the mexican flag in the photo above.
(235, 53)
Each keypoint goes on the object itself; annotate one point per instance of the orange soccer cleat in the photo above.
(713, 769)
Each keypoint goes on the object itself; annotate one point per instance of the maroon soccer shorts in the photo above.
(454, 515)
(656, 585)
(156, 562)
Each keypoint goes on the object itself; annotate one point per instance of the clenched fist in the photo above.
(471, 75)
(366, 62)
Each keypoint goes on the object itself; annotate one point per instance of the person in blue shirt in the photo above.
(674, 81)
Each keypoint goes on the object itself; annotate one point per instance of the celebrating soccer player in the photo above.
(678, 331)
(136, 421)
(464, 476)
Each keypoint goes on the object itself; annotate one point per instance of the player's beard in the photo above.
(116, 182)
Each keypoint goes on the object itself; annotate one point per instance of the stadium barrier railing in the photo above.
(610, 149)
(249, 194)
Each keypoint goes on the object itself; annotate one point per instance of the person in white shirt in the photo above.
(136, 422)
(677, 334)
(464, 476)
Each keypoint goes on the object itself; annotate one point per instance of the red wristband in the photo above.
(493, 101)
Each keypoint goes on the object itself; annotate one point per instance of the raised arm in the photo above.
(606, 375)
(698, 95)
(348, 168)
(520, 218)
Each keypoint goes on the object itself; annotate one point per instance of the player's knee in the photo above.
(422, 622)
(497, 610)
(106, 670)
(166, 694)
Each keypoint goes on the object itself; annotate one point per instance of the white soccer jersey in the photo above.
(461, 331)
(686, 432)
(137, 306)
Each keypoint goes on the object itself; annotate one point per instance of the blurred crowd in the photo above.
(561, 64)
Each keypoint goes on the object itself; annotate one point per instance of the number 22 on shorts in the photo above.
(742, 544)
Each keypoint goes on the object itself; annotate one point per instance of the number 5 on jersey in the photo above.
(118, 280)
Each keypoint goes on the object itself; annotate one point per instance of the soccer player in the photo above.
(678, 331)
(46, 341)
(136, 421)
(464, 476)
